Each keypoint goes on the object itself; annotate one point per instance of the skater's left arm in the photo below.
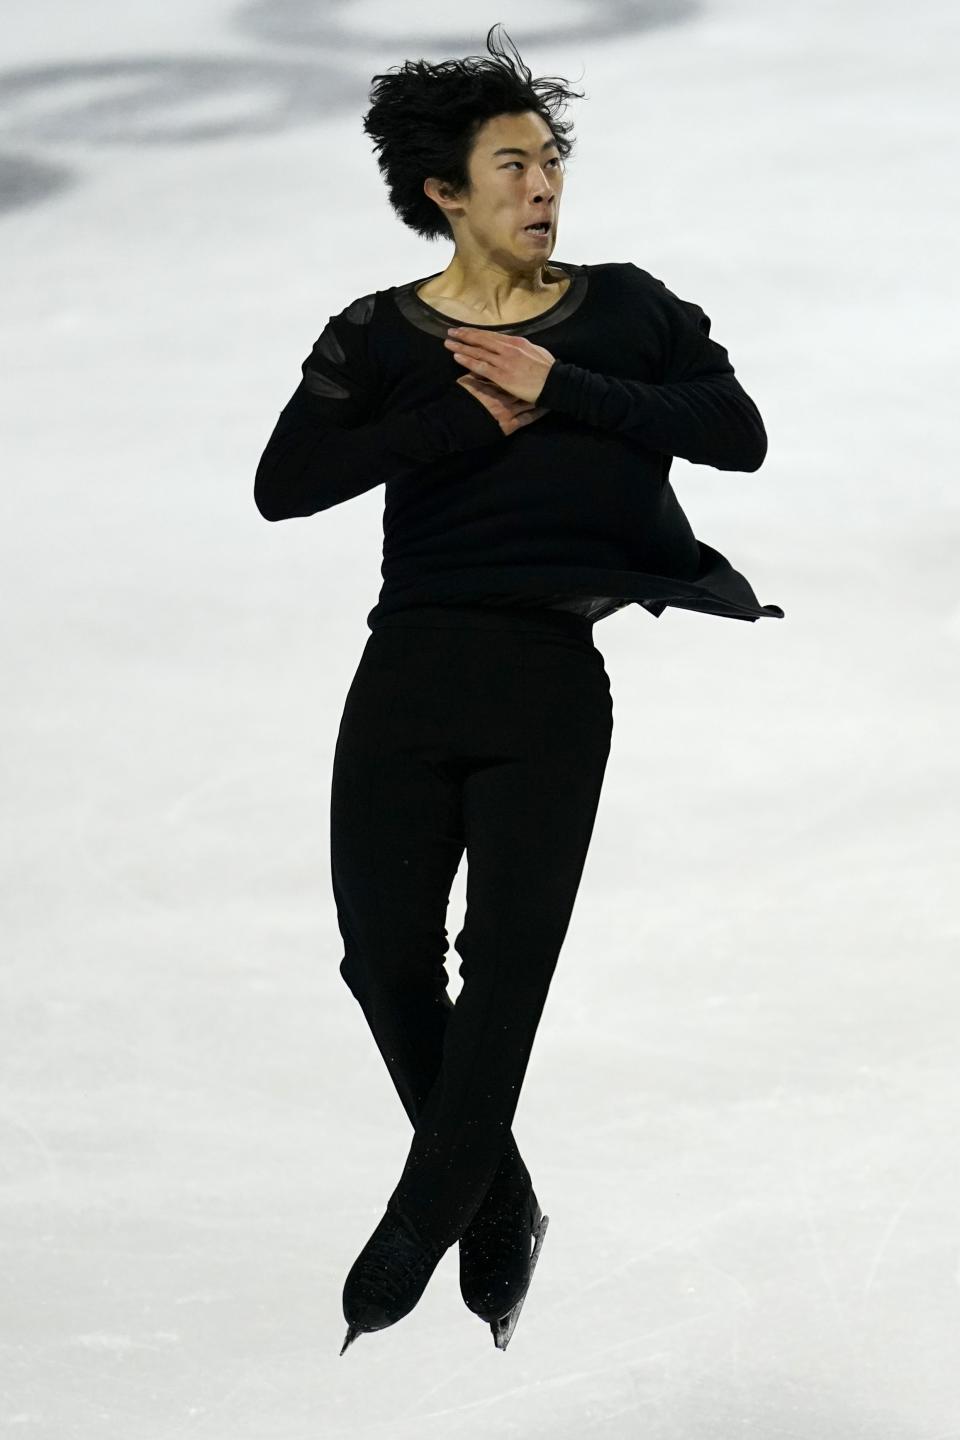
(699, 411)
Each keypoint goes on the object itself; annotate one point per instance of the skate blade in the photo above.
(504, 1327)
(352, 1332)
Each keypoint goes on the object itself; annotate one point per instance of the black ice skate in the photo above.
(389, 1275)
(496, 1263)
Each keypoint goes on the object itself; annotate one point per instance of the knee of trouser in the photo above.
(350, 975)
(535, 945)
(394, 972)
(365, 972)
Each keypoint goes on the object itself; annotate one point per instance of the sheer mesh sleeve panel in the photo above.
(331, 443)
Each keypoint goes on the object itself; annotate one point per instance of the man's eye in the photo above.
(554, 161)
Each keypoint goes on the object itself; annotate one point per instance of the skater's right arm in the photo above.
(327, 446)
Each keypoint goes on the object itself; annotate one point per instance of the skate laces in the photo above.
(397, 1256)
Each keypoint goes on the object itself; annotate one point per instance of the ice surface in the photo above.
(741, 1109)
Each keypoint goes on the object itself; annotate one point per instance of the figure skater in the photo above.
(522, 415)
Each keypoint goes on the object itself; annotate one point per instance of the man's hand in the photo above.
(510, 362)
(509, 412)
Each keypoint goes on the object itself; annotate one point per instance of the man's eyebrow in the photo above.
(512, 149)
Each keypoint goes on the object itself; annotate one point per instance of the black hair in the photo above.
(424, 120)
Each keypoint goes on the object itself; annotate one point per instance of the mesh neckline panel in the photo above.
(424, 317)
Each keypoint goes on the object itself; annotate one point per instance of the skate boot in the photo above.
(496, 1262)
(389, 1275)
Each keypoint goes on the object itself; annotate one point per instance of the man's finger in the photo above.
(478, 345)
(476, 337)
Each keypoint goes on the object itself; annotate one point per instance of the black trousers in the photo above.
(474, 729)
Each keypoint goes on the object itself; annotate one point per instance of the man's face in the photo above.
(512, 189)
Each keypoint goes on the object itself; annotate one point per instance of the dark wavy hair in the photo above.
(424, 120)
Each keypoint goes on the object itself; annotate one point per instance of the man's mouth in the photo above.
(540, 227)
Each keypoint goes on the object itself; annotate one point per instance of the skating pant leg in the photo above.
(396, 841)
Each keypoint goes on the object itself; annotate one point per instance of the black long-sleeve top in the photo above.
(575, 509)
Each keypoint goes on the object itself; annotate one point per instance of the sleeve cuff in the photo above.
(561, 389)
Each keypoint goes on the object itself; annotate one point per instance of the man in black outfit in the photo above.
(527, 495)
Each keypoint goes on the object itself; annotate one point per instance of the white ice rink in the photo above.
(742, 1110)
